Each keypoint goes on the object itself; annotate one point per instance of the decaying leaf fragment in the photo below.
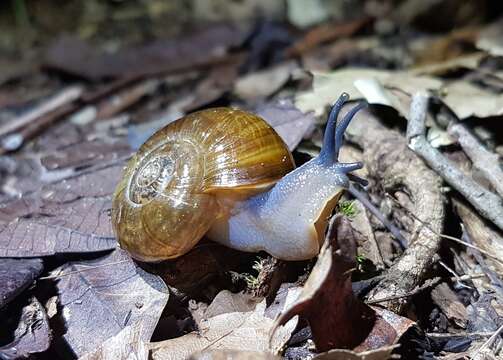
(337, 318)
(65, 216)
(16, 275)
(230, 322)
(383, 353)
(100, 298)
(233, 354)
(290, 123)
(33, 334)
(388, 88)
(127, 344)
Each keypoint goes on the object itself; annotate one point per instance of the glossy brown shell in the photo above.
(172, 189)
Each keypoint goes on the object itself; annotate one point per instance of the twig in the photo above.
(394, 166)
(488, 342)
(455, 275)
(461, 334)
(487, 203)
(64, 97)
(15, 140)
(448, 237)
(486, 161)
(125, 98)
(491, 275)
(380, 216)
(417, 290)
(82, 270)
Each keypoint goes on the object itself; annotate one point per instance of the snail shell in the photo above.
(187, 175)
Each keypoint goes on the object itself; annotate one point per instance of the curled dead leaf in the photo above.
(337, 318)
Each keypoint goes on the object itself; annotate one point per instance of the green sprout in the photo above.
(252, 281)
(348, 208)
(360, 263)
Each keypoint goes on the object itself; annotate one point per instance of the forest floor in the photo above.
(412, 263)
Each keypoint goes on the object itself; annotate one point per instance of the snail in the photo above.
(225, 173)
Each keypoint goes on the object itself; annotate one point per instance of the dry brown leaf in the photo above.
(33, 334)
(362, 83)
(482, 103)
(16, 275)
(71, 215)
(126, 345)
(232, 355)
(100, 298)
(288, 121)
(448, 302)
(74, 56)
(264, 83)
(232, 330)
(384, 87)
(470, 62)
(383, 353)
(337, 318)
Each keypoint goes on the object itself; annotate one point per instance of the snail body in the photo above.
(226, 173)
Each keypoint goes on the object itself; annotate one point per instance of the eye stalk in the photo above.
(334, 139)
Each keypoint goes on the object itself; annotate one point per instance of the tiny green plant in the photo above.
(251, 280)
(348, 208)
(360, 263)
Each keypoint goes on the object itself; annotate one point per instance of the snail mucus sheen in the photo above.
(225, 173)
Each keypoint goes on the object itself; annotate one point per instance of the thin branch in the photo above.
(489, 341)
(82, 270)
(487, 203)
(448, 237)
(426, 285)
(486, 161)
(380, 216)
(64, 97)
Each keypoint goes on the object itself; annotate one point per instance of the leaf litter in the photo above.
(436, 293)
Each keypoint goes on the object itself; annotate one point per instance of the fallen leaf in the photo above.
(223, 327)
(233, 354)
(483, 103)
(71, 215)
(438, 137)
(288, 121)
(326, 33)
(448, 302)
(85, 154)
(74, 56)
(218, 82)
(116, 295)
(126, 345)
(33, 334)
(16, 275)
(373, 85)
(387, 88)
(452, 46)
(383, 353)
(337, 318)
(228, 302)
(263, 83)
(470, 62)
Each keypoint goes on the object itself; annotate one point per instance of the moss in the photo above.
(348, 208)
